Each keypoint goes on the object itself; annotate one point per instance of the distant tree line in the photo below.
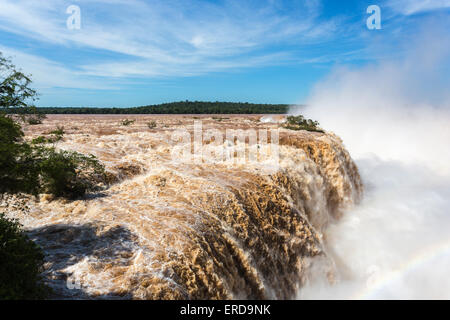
(182, 107)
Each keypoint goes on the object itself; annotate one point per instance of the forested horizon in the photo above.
(181, 107)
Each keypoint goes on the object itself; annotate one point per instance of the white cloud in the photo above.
(410, 7)
(167, 37)
(191, 67)
(48, 74)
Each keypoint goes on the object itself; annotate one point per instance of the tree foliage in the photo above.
(15, 91)
(31, 168)
(20, 263)
(38, 166)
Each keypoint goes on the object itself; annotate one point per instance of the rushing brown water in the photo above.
(168, 230)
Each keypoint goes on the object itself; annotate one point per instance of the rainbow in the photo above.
(419, 259)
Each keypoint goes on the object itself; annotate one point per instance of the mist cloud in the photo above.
(394, 118)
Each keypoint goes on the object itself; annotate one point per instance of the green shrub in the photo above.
(20, 264)
(35, 119)
(300, 123)
(220, 119)
(127, 122)
(36, 167)
(58, 134)
(10, 131)
(68, 174)
(55, 136)
(151, 124)
(15, 158)
(59, 131)
(41, 140)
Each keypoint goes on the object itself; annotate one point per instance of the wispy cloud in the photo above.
(172, 36)
(51, 74)
(410, 7)
(127, 40)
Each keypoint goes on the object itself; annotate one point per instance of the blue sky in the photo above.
(136, 52)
